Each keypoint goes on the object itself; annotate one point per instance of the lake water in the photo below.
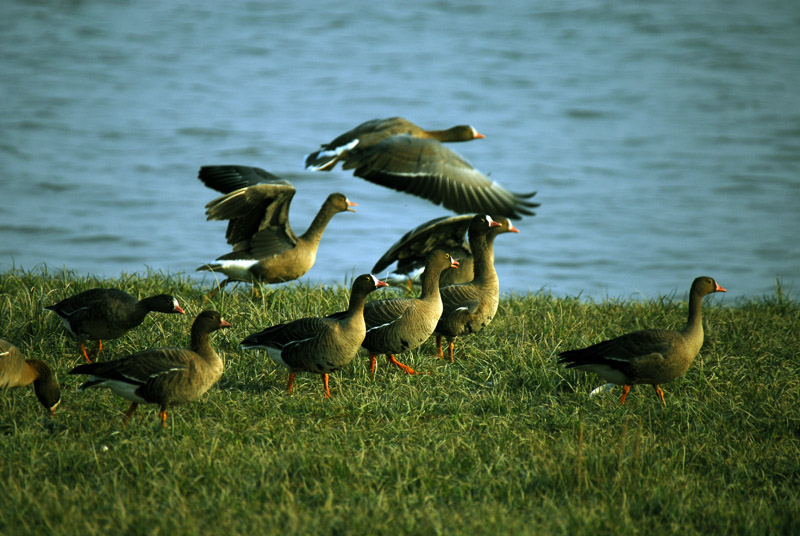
(663, 138)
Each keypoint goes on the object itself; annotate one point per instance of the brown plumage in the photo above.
(400, 155)
(108, 313)
(319, 345)
(652, 356)
(398, 325)
(265, 249)
(447, 233)
(163, 376)
(469, 307)
(16, 371)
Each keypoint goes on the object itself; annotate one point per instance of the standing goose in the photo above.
(400, 155)
(319, 345)
(400, 324)
(265, 249)
(447, 233)
(108, 313)
(16, 371)
(652, 356)
(163, 376)
(470, 307)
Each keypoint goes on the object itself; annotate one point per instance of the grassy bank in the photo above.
(501, 441)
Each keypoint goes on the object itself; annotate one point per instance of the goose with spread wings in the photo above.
(400, 155)
(256, 204)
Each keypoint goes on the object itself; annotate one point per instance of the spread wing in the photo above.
(446, 232)
(258, 219)
(426, 168)
(226, 179)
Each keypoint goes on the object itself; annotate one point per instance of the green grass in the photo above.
(502, 441)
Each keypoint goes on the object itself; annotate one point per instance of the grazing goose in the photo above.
(319, 345)
(108, 313)
(265, 249)
(16, 371)
(652, 356)
(470, 307)
(163, 376)
(398, 325)
(398, 154)
(447, 233)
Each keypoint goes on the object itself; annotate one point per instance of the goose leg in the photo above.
(325, 383)
(162, 414)
(291, 382)
(451, 346)
(439, 352)
(129, 413)
(214, 291)
(373, 361)
(83, 351)
(625, 389)
(401, 366)
(98, 349)
(660, 394)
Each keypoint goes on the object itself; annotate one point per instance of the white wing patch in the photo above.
(602, 389)
(235, 269)
(124, 389)
(336, 151)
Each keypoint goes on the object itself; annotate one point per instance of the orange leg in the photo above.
(450, 347)
(162, 414)
(625, 389)
(660, 394)
(83, 351)
(439, 352)
(373, 361)
(129, 413)
(325, 383)
(291, 382)
(400, 365)
(98, 349)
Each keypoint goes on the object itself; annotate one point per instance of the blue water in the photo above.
(663, 138)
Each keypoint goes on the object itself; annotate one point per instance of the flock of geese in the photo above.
(457, 298)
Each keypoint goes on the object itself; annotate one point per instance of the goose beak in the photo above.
(351, 204)
(379, 284)
(511, 227)
(454, 264)
(719, 289)
(177, 309)
(223, 323)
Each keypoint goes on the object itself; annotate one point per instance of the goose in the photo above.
(651, 356)
(398, 325)
(469, 307)
(162, 376)
(16, 371)
(256, 203)
(447, 233)
(319, 345)
(400, 155)
(108, 313)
